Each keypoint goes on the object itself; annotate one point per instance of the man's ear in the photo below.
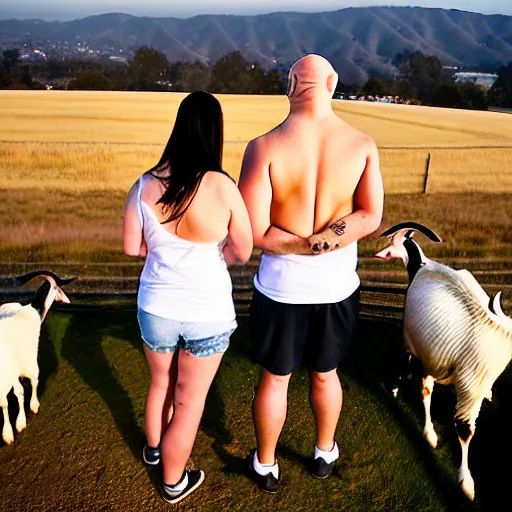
(292, 85)
(332, 82)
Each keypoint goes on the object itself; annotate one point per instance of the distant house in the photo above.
(115, 58)
(484, 79)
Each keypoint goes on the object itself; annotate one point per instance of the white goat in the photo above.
(451, 326)
(20, 327)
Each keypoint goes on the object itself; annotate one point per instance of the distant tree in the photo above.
(500, 94)
(24, 77)
(402, 58)
(260, 81)
(447, 95)
(406, 91)
(273, 82)
(119, 78)
(474, 97)
(256, 82)
(90, 81)
(10, 59)
(36, 85)
(342, 88)
(421, 74)
(3, 78)
(466, 95)
(190, 76)
(149, 69)
(377, 87)
(8, 70)
(231, 74)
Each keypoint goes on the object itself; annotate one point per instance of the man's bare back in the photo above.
(315, 167)
(311, 171)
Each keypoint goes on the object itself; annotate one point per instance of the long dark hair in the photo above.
(194, 147)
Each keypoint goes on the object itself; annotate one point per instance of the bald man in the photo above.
(313, 188)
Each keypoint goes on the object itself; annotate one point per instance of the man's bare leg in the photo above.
(326, 400)
(269, 414)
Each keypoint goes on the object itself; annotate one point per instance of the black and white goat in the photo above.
(460, 336)
(20, 327)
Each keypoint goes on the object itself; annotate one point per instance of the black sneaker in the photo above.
(320, 469)
(268, 483)
(195, 479)
(151, 456)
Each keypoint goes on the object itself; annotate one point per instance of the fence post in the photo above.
(427, 170)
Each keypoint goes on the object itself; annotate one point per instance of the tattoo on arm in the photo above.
(338, 227)
(328, 239)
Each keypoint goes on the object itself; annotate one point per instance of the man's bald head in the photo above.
(311, 75)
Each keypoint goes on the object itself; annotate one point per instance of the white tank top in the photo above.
(182, 280)
(322, 279)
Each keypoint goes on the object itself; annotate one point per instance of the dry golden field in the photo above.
(67, 160)
(103, 141)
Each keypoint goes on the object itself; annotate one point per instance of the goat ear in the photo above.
(385, 254)
(62, 297)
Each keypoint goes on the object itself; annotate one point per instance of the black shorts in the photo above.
(286, 336)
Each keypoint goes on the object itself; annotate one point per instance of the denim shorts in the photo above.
(201, 339)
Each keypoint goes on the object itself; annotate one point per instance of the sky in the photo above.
(72, 9)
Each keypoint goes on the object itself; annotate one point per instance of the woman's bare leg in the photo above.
(195, 375)
(159, 397)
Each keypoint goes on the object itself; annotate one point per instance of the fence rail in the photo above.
(382, 290)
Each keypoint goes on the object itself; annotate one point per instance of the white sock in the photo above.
(327, 456)
(264, 469)
(179, 486)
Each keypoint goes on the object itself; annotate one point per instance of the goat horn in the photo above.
(495, 305)
(415, 226)
(25, 278)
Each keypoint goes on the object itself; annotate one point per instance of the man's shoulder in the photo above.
(354, 133)
(268, 137)
(360, 140)
(261, 145)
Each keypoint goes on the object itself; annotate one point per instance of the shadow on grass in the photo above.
(373, 362)
(82, 348)
(48, 360)
(490, 450)
(214, 420)
(213, 423)
(289, 453)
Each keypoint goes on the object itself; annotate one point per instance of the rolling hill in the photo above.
(356, 40)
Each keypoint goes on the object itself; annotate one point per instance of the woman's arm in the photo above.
(239, 244)
(133, 236)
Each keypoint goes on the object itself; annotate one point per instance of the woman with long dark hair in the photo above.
(187, 217)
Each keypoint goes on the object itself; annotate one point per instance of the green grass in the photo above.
(81, 452)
